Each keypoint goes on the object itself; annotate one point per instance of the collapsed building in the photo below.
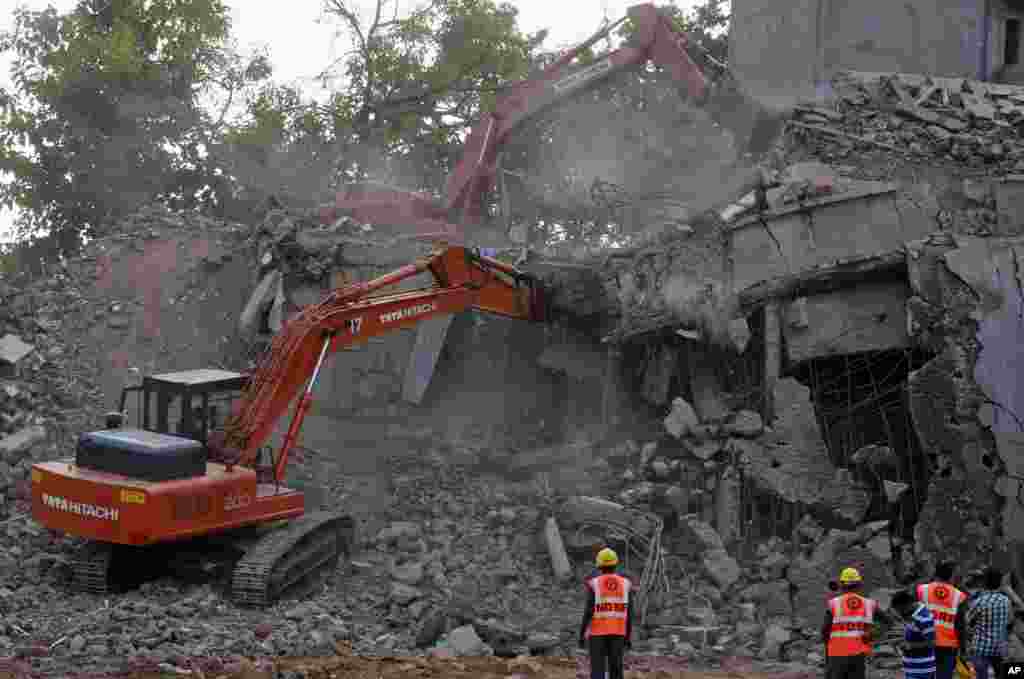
(835, 367)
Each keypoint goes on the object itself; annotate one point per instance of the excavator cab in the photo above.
(189, 404)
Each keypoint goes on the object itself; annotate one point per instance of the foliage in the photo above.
(411, 87)
(114, 106)
(406, 93)
(106, 112)
(706, 26)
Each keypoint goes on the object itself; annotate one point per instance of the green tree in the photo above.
(405, 94)
(106, 113)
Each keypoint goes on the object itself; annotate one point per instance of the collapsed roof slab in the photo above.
(868, 219)
(869, 317)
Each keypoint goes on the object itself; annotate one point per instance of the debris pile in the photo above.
(71, 338)
(718, 513)
(299, 258)
(963, 122)
(435, 579)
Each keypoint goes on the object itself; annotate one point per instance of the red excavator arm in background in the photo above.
(463, 280)
(656, 40)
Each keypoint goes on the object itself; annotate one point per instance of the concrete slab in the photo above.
(869, 218)
(869, 317)
(261, 298)
(796, 446)
(13, 349)
(974, 262)
(430, 336)
(707, 391)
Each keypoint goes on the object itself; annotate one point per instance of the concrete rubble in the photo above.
(12, 351)
(746, 483)
(436, 575)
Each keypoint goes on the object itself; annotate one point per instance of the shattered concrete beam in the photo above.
(820, 279)
(653, 322)
(577, 289)
(812, 281)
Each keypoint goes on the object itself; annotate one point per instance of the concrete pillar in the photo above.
(772, 356)
(610, 397)
(727, 506)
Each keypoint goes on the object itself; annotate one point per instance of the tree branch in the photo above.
(227, 105)
(338, 7)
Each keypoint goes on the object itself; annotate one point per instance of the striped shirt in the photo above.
(919, 663)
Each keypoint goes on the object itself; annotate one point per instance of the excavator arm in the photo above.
(656, 40)
(351, 315)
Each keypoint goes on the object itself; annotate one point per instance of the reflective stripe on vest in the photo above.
(942, 599)
(852, 616)
(611, 605)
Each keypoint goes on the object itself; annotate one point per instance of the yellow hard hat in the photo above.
(849, 576)
(607, 557)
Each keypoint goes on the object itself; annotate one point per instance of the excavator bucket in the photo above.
(755, 126)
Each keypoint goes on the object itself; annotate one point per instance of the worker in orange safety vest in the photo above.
(607, 617)
(949, 607)
(848, 629)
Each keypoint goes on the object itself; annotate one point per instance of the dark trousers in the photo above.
(945, 662)
(606, 652)
(846, 667)
(984, 663)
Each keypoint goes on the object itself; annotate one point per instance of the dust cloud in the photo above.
(667, 158)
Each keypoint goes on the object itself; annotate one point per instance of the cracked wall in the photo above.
(953, 295)
(993, 270)
(861, 219)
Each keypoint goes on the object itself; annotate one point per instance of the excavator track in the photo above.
(290, 554)
(90, 568)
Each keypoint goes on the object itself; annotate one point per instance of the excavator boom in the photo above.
(474, 176)
(464, 280)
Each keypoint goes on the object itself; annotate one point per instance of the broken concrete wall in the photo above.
(993, 270)
(785, 49)
(862, 219)
(869, 317)
(788, 462)
(945, 400)
(181, 287)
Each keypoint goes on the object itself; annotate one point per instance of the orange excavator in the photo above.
(206, 482)
(129, 491)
